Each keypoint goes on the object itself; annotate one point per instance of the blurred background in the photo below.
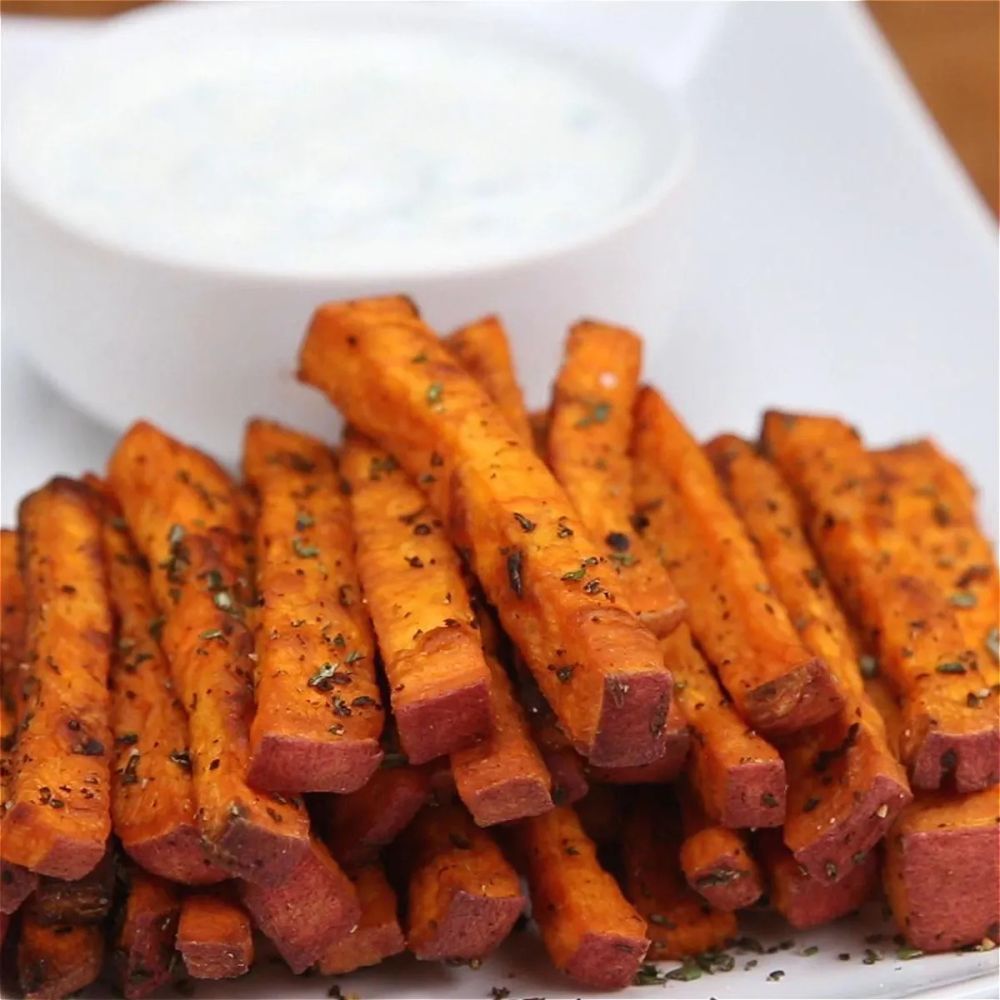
(949, 49)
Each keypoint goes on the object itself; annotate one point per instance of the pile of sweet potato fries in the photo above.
(378, 697)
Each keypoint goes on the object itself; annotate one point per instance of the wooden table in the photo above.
(948, 47)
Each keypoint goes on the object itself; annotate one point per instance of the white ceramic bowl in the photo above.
(125, 331)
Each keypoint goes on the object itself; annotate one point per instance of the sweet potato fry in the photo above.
(464, 896)
(936, 510)
(152, 798)
(941, 870)
(16, 881)
(58, 817)
(54, 961)
(213, 935)
(85, 900)
(804, 901)
(438, 679)
(504, 777)
(357, 826)
(595, 663)
(678, 921)
(590, 424)
(845, 784)
(777, 685)
(315, 905)
(182, 511)
(738, 776)
(144, 944)
(716, 860)
(319, 713)
(660, 771)
(376, 936)
(591, 932)
(950, 735)
(484, 352)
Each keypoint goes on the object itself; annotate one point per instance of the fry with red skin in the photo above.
(377, 935)
(483, 350)
(880, 577)
(315, 905)
(678, 921)
(738, 776)
(58, 818)
(936, 510)
(503, 778)
(16, 882)
(776, 684)
(590, 931)
(590, 424)
(657, 772)
(357, 826)
(144, 945)
(803, 901)
(439, 683)
(184, 515)
(845, 785)
(464, 897)
(54, 961)
(395, 381)
(716, 861)
(152, 797)
(214, 935)
(85, 900)
(319, 716)
(941, 869)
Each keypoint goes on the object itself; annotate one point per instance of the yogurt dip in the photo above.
(362, 152)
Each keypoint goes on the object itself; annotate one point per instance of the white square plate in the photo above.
(842, 262)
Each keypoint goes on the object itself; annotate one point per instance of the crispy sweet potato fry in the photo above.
(739, 777)
(657, 772)
(85, 900)
(152, 798)
(591, 932)
(941, 871)
(590, 424)
(359, 825)
(182, 511)
(936, 510)
(319, 715)
(144, 945)
(678, 921)
(315, 905)
(539, 422)
(16, 881)
(213, 935)
(438, 679)
(504, 777)
(775, 683)
(54, 961)
(376, 936)
(804, 901)
(595, 663)
(464, 896)
(58, 818)
(949, 733)
(716, 860)
(845, 785)
(484, 352)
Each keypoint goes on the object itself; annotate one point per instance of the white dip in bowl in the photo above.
(183, 193)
